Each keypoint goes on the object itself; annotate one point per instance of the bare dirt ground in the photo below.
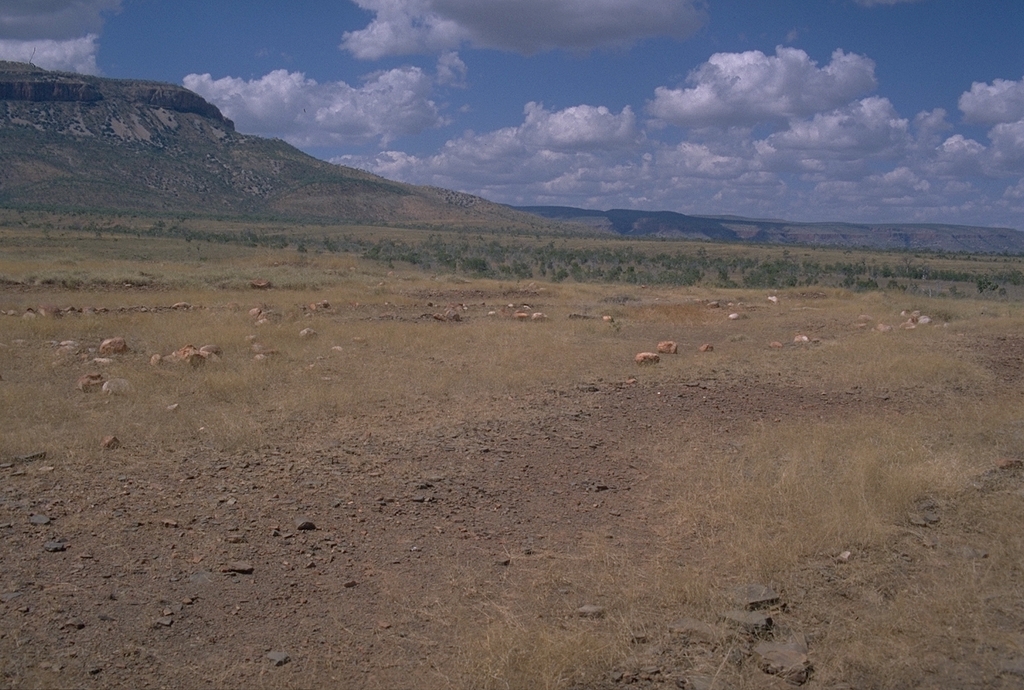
(379, 550)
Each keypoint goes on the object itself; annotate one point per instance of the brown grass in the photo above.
(771, 498)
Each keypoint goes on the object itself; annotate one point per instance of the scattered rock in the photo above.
(89, 382)
(164, 621)
(278, 658)
(668, 347)
(735, 316)
(591, 611)
(1009, 463)
(646, 358)
(54, 546)
(756, 596)
(260, 284)
(110, 442)
(694, 629)
(304, 523)
(786, 660)
(801, 339)
(240, 567)
(117, 387)
(113, 346)
(776, 344)
(706, 347)
(307, 333)
(753, 622)
(38, 520)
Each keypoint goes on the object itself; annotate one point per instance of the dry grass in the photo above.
(773, 499)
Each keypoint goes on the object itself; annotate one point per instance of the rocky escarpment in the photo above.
(78, 142)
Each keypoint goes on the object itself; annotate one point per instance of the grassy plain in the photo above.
(475, 482)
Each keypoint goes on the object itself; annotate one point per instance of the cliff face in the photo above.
(25, 84)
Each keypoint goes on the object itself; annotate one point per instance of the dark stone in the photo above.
(37, 519)
(54, 546)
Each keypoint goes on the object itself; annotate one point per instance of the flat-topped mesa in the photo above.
(24, 82)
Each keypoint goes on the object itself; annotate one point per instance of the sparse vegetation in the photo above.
(475, 482)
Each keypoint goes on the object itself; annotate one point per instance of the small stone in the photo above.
(350, 584)
(8, 597)
(591, 611)
(693, 628)
(786, 660)
(917, 520)
(240, 567)
(307, 333)
(756, 596)
(304, 523)
(110, 442)
(165, 621)
(1009, 463)
(751, 621)
(117, 387)
(37, 519)
(278, 658)
(844, 557)
(202, 577)
(54, 546)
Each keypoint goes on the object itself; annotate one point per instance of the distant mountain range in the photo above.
(923, 236)
(70, 142)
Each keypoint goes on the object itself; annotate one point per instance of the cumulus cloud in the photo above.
(746, 88)
(402, 27)
(990, 104)
(28, 20)
(863, 129)
(306, 113)
(72, 55)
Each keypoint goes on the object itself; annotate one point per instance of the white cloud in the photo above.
(72, 55)
(28, 20)
(990, 104)
(451, 70)
(305, 113)
(1007, 147)
(402, 27)
(746, 88)
(842, 141)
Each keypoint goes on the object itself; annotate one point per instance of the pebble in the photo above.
(37, 519)
(54, 546)
(304, 523)
(279, 658)
(237, 567)
(165, 621)
(786, 660)
(590, 611)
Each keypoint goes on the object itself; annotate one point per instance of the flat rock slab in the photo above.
(240, 567)
(756, 596)
(37, 519)
(751, 621)
(787, 660)
(54, 546)
(278, 658)
(591, 611)
(693, 628)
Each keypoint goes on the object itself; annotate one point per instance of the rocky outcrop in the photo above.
(22, 90)
(179, 100)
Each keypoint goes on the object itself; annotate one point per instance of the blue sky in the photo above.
(812, 110)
